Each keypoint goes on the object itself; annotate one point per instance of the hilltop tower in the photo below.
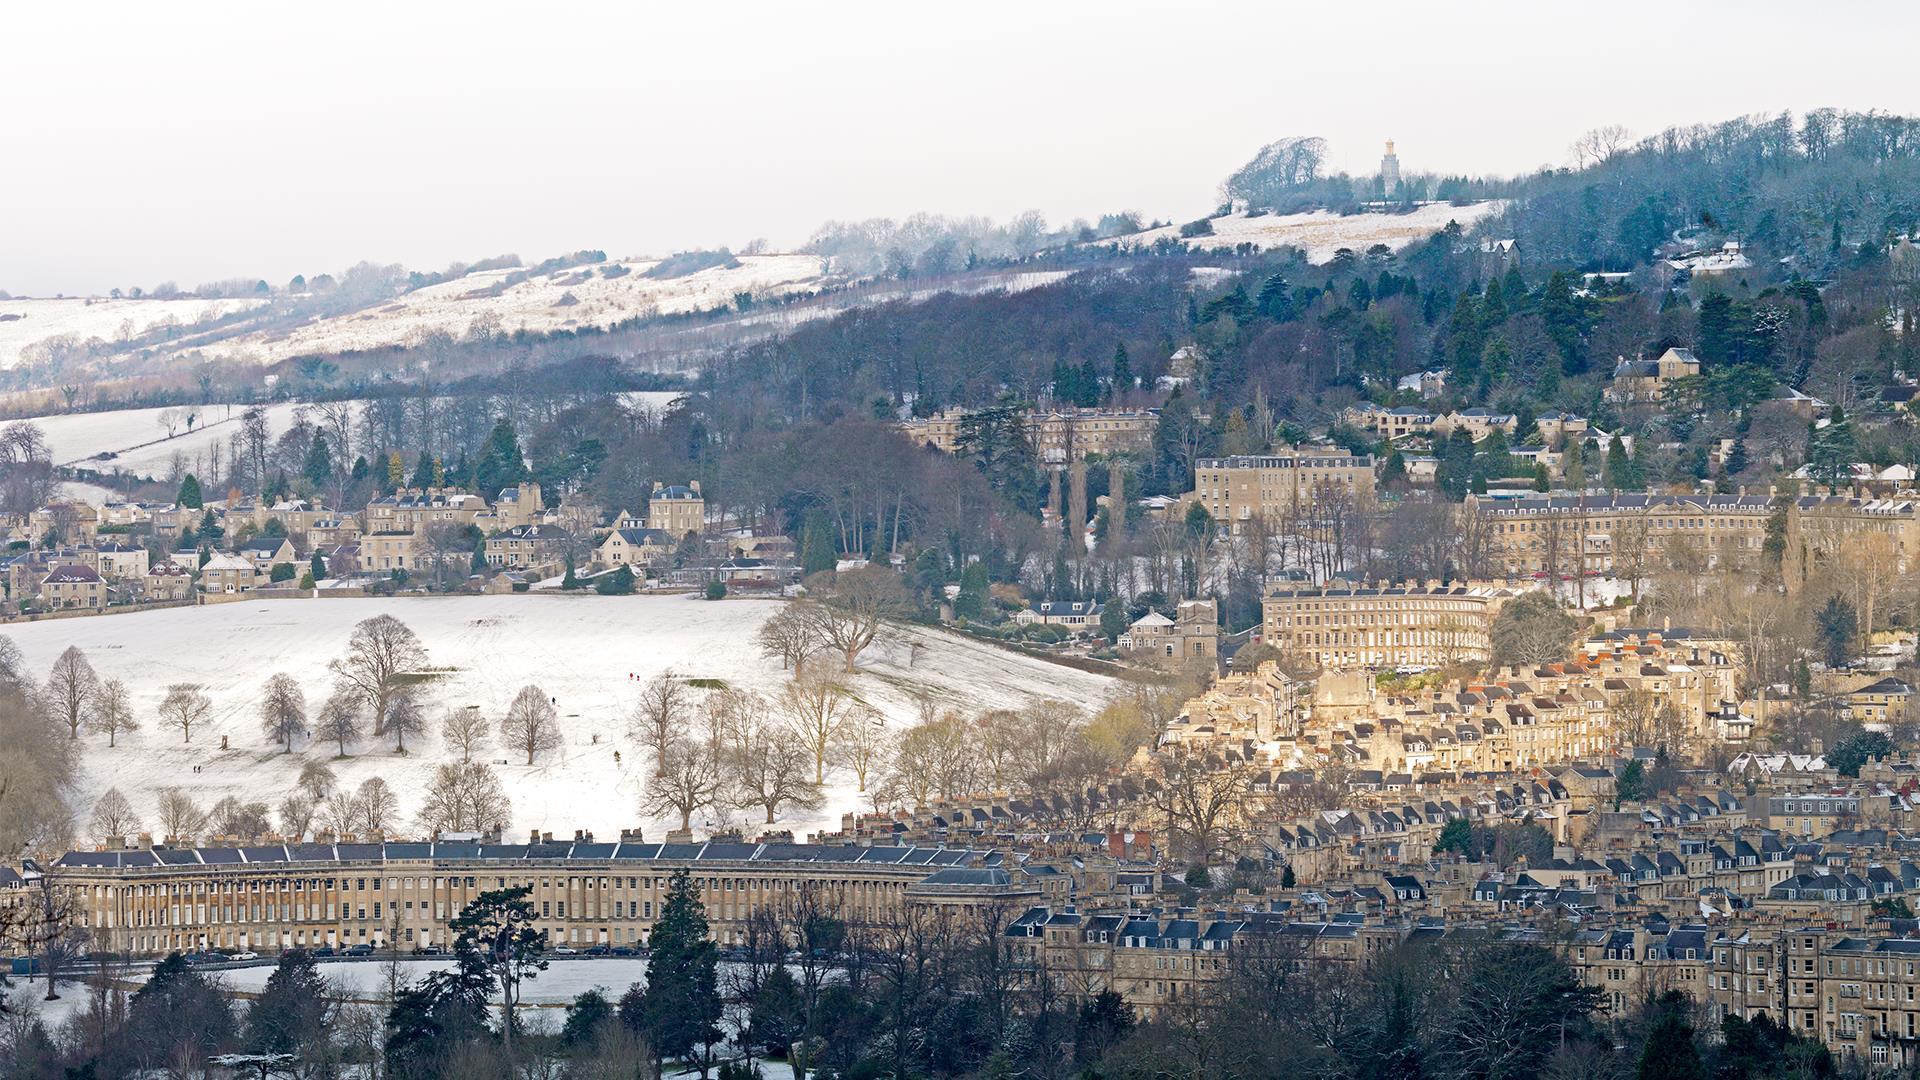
(1389, 172)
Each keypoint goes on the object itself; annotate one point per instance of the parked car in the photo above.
(324, 950)
(359, 950)
(245, 956)
(562, 950)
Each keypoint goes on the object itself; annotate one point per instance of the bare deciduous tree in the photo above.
(465, 798)
(846, 610)
(1602, 144)
(283, 711)
(465, 730)
(340, 717)
(788, 637)
(661, 710)
(342, 813)
(1198, 795)
(381, 651)
(862, 745)
(112, 711)
(185, 707)
(405, 716)
(763, 768)
(113, 816)
(531, 725)
(379, 806)
(233, 817)
(686, 776)
(71, 689)
(181, 818)
(316, 779)
(296, 814)
(814, 706)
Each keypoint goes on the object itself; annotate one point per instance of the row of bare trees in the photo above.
(740, 750)
(316, 803)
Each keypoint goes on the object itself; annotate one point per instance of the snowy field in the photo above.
(571, 299)
(27, 322)
(139, 443)
(1322, 232)
(590, 653)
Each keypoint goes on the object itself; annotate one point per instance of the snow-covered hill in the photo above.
(590, 653)
(593, 296)
(1321, 233)
(105, 333)
(137, 441)
(29, 326)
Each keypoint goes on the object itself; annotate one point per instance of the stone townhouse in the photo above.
(677, 510)
(1064, 435)
(1288, 481)
(73, 586)
(1158, 960)
(385, 551)
(513, 507)
(332, 530)
(276, 895)
(1391, 424)
(1645, 382)
(225, 573)
(528, 547)
(1478, 422)
(71, 520)
(298, 517)
(266, 552)
(1564, 535)
(633, 546)
(1880, 704)
(412, 510)
(1078, 615)
(1193, 636)
(120, 561)
(166, 581)
(1385, 626)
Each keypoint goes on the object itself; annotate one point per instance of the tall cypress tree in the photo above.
(319, 467)
(816, 545)
(680, 1012)
(501, 464)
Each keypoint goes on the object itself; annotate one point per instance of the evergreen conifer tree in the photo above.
(680, 1011)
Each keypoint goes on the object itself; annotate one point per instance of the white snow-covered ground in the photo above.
(590, 653)
(483, 302)
(479, 302)
(75, 437)
(27, 322)
(139, 443)
(365, 980)
(1322, 232)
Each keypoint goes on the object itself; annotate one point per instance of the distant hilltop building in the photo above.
(1389, 171)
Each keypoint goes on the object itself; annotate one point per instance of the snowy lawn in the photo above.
(591, 653)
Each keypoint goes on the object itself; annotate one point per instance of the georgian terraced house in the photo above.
(1386, 626)
(1597, 534)
(150, 901)
(1237, 489)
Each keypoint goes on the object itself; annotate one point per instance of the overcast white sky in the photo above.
(200, 141)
